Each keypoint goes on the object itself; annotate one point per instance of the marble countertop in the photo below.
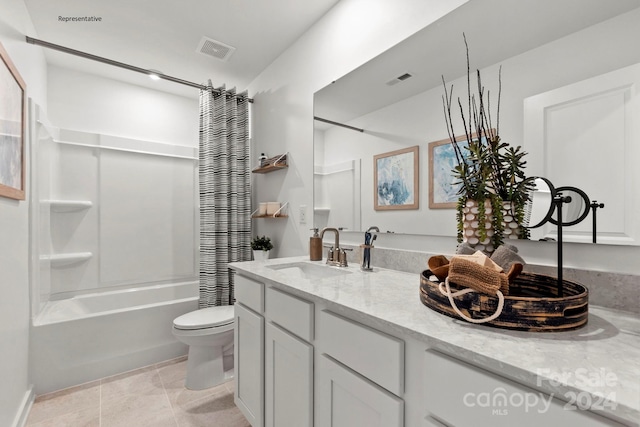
(601, 359)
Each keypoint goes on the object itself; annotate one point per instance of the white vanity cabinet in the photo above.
(275, 369)
(360, 375)
(249, 349)
(288, 361)
(458, 394)
(347, 399)
(323, 353)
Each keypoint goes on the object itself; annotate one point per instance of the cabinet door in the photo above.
(463, 395)
(249, 364)
(288, 379)
(347, 399)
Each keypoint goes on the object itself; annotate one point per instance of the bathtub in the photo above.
(92, 336)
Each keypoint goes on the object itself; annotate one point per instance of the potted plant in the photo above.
(261, 247)
(493, 186)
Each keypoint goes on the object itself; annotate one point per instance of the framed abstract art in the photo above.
(12, 129)
(396, 177)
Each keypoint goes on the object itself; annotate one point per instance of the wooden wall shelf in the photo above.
(273, 164)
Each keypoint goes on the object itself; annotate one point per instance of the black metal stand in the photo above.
(558, 201)
(594, 206)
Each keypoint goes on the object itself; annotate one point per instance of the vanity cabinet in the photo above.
(288, 361)
(316, 362)
(461, 395)
(347, 399)
(276, 346)
(360, 375)
(248, 355)
(289, 379)
(273, 356)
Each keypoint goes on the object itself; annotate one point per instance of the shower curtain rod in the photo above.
(331, 122)
(81, 54)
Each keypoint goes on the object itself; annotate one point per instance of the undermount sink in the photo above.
(310, 271)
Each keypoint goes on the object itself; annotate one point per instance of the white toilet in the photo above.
(209, 334)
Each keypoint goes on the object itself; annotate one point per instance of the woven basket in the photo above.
(532, 304)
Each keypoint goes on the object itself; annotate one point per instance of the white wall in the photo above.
(351, 33)
(14, 225)
(88, 103)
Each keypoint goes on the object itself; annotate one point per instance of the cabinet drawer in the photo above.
(463, 395)
(250, 293)
(291, 313)
(374, 354)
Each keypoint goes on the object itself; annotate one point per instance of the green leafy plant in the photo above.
(487, 168)
(261, 244)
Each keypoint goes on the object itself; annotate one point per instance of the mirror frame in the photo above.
(583, 215)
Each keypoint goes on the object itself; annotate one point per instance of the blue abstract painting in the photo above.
(396, 179)
(443, 189)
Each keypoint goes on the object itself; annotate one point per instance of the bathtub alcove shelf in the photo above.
(69, 205)
(66, 259)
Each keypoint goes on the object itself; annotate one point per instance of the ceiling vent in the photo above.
(215, 48)
(399, 79)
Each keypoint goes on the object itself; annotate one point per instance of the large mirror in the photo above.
(568, 96)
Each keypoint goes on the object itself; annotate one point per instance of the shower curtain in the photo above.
(225, 194)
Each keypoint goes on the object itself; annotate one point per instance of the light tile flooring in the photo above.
(153, 396)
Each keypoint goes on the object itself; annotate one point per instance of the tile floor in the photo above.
(153, 396)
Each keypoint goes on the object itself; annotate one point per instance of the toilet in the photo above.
(209, 334)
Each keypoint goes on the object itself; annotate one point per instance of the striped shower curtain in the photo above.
(225, 193)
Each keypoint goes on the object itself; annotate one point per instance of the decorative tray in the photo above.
(532, 304)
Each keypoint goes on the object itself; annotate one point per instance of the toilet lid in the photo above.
(210, 317)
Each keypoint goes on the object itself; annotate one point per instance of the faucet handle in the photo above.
(330, 254)
(342, 257)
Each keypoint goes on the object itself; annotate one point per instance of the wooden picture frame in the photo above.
(12, 129)
(396, 179)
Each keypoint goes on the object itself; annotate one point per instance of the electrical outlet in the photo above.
(303, 214)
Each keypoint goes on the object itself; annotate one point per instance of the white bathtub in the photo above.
(92, 336)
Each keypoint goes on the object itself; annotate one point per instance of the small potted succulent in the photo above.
(261, 247)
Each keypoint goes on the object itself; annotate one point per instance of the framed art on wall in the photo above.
(443, 190)
(12, 129)
(395, 177)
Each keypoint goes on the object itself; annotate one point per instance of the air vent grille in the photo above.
(399, 79)
(215, 49)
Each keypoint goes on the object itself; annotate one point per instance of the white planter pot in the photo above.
(260, 255)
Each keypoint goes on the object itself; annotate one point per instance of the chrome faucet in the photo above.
(335, 256)
(366, 248)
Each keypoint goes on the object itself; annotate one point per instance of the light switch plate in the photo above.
(303, 214)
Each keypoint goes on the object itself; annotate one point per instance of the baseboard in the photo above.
(25, 407)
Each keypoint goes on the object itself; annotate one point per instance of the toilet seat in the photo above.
(206, 318)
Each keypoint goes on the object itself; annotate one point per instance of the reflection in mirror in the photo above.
(574, 211)
(540, 205)
(336, 191)
(548, 72)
